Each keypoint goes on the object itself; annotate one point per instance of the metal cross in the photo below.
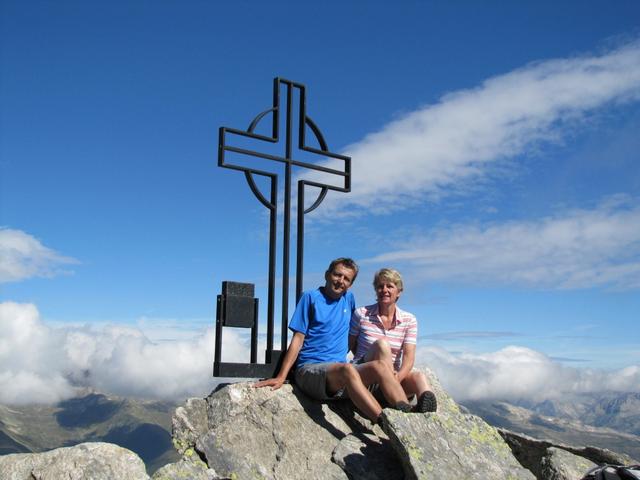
(302, 121)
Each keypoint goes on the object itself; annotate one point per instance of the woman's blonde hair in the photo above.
(389, 275)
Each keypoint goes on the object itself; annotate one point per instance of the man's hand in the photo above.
(274, 383)
(289, 359)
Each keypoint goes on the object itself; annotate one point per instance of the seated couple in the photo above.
(326, 324)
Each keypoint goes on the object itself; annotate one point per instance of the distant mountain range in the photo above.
(142, 426)
(607, 420)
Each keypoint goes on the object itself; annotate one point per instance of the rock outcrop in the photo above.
(551, 461)
(450, 446)
(185, 469)
(86, 461)
(559, 464)
(243, 432)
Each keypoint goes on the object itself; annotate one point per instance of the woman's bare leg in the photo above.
(345, 375)
(379, 372)
(415, 383)
(379, 350)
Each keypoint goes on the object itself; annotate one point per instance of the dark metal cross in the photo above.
(292, 123)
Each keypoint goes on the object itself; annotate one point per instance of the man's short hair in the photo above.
(347, 262)
(389, 275)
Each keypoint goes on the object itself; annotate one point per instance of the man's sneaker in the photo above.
(426, 403)
(403, 407)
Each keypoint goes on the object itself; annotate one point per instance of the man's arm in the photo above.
(354, 331)
(288, 361)
(353, 343)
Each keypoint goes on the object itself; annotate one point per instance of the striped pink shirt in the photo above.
(368, 327)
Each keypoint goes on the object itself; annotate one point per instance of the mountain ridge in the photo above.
(573, 428)
(140, 425)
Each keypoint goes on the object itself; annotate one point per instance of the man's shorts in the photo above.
(312, 380)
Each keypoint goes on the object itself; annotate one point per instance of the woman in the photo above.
(383, 331)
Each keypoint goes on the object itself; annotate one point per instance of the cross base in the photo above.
(249, 370)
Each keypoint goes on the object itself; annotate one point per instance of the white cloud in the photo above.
(43, 364)
(455, 143)
(515, 373)
(23, 256)
(575, 249)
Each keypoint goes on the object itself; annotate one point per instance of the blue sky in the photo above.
(495, 164)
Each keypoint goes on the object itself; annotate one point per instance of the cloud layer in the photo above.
(41, 364)
(515, 373)
(575, 249)
(443, 148)
(23, 256)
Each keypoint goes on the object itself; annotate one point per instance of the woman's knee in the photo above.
(379, 350)
(382, 346)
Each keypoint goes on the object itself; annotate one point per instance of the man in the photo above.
(318, 349)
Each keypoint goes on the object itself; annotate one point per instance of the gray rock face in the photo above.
(532, 453)
(559, 464)
(241, 432)
(450, 446)
(367, 456)
(259, 433)
(188, 424)
(87, 461)
(244, 432)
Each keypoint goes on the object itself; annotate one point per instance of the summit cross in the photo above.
(293, 123)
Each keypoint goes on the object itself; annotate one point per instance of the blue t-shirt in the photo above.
(325, 324)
